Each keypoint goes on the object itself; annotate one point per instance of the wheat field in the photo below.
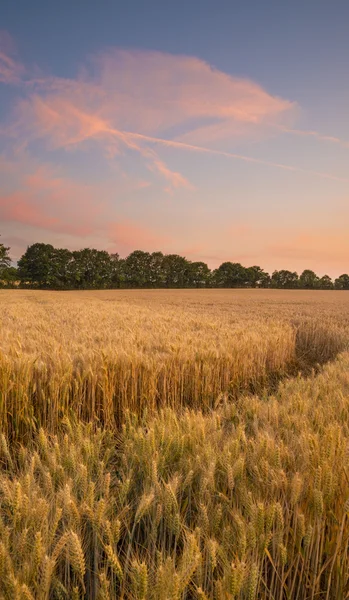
(174, 445)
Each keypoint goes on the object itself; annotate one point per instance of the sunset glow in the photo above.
(132, 139)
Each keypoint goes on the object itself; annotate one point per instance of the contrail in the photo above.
(249, 159)
(315, 134)
(129, 138)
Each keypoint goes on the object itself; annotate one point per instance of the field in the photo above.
(174, 444)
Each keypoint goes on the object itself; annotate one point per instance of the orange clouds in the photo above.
(43, 199)
(15, 207)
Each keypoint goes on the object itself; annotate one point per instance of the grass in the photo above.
(147, 453)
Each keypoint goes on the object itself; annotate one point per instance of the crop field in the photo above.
(174, 445)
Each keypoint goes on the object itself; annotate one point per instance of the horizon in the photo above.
(123, 259)
(216, 135)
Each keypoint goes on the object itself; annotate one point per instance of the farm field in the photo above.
(174, 444)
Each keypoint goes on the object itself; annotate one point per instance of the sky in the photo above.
(215, 130)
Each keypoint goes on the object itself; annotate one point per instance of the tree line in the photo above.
(44, 267)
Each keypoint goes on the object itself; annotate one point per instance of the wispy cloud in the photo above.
(250, 159)
(130, 99)
(154, 92)
(126, 100)
(143, 111)
(63, 124)
(316, 135)
(11, 70)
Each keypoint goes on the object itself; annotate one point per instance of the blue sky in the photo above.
(216, 130)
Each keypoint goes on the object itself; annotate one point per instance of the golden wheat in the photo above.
(100, 354)
(235, 487)
(264, 512)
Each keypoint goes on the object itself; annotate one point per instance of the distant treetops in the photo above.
(44, 267)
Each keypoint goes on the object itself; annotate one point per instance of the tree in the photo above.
(91, 269)
(308, 280)
(230, 275)
(116, 273)
(5, 260)
(137, 269)
(325, 283)
(157, 273)
(342, 282)
(284, 279)
(176, 271)
(42, 265)
(35, 266)
(61, 269)
(9, 276)
(256, 277)
(198, 275)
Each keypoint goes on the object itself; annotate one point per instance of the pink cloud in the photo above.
(150, 92)
(175, 179)
(129, 101)
(41, 198)
(66, 125)
(11, 70)
(141, 105)
(72, 118)
(20, 208)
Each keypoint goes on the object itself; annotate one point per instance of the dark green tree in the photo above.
(91, 269)
(284, 279)
(61, 267)
(230, 275)
(35, 266)
(157, 273)
(137, 269)
(176, 271)
(342, 282)
(199, 275)
(256, 277)
(9, 277)
(325, 283)
(308, 280)
(44, 266)
(116, 275)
